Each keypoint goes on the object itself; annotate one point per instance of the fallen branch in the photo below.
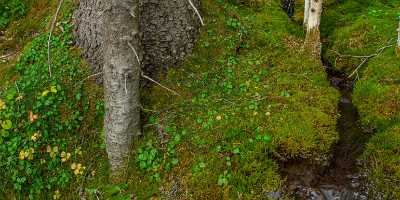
(346, 55)
(90, 76)
(366, 58)
(197, 12)
(398, 36)
(152, 80)
(147, 77)
(50, 35)
(134, 51)
(4, 57)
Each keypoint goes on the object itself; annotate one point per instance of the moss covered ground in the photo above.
(249, 100)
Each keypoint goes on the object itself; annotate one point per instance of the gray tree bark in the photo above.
(121, 81)
(312, 18)
(169, 29)
(89, 33)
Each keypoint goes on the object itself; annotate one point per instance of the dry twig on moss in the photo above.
(197, 12)
(50, 34)
(364, 58)
(147, 77)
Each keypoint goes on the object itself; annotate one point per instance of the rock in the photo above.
(273, 195)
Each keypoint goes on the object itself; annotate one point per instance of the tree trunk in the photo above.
(306, 12)
(169, 29)
(312, 21)
(121, 81)
(88, 32)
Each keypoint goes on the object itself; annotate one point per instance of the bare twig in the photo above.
(90, 76)
(365, 59)
(16, 85)
(134, 51)
(126, 89)
(4, 57)
(152, 80)
(197, 12)
(398, 35)
(346, 55)
(50, 34)
(147, 77)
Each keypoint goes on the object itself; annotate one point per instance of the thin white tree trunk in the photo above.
(121, 81)
(306, 11)
(313, 18)
(314, 14)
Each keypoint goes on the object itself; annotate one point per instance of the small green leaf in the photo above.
(202, 165)
(266, 138)
(174, 161)
(236, 150)
(4, 133)
(6, 125)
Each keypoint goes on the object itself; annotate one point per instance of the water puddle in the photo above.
(340, 179)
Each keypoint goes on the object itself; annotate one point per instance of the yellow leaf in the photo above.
(30, 153)
(73, 166)
(19, 98)
(34, 137)
(2, 104)
(53, 89)
(48, 149)
(44, 93)
(21, 155)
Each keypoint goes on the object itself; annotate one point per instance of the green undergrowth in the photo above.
(21, 30)
(249, 100)
(10, 10)
(49, 124)
(361, 28)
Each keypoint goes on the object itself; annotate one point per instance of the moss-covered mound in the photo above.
(363, 28)
(249, 98)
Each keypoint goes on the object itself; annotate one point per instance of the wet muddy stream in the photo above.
(340, 178)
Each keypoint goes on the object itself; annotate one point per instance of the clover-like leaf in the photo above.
(6, 125)
(53, 89)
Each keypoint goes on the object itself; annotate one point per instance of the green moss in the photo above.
(377, 93)
(243, 105)
(382, 161)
